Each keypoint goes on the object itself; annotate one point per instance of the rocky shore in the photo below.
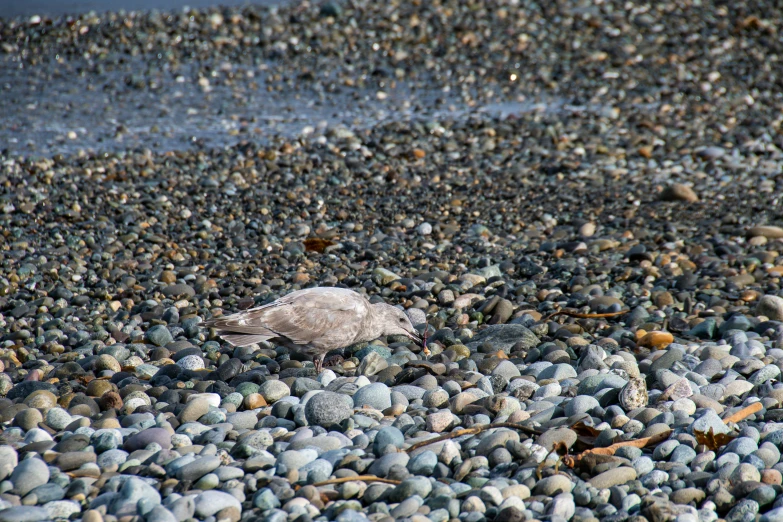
(579, 203)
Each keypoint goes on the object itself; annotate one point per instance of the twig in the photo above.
(744, 413)
(580, 315)
(359, 478)
(475, 430)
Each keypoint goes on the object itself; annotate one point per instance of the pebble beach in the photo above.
(578, 202)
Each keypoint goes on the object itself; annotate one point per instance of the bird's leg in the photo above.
(319, 362)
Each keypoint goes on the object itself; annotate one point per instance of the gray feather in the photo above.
(243, 340)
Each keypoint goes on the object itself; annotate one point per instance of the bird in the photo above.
(315, 321)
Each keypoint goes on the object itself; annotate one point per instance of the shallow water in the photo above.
(69, 106)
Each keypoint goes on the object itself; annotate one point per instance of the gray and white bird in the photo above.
(315, 321)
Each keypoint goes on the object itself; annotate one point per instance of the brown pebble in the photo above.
(679, 192)
(80, 409)
(394, 410)
(229, 514)
(106, 424)
(771, 232)
(28, 419)
(663, 299)
(656, 340)
(253, 401)
(98, 387)
(74, 459)
(159, 353)
(772, 477)
(110, 400)
(107, 362)
(41, 399)
(300, 278)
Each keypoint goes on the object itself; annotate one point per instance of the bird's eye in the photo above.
(402, 320)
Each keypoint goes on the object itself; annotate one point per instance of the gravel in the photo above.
(499, 164)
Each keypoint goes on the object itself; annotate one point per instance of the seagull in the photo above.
(315, 321)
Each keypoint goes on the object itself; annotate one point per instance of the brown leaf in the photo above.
(714, 441)
(316, 244)
(751, 22)
(572, 461)
(560, 448)
(744, 413)
(583, 429)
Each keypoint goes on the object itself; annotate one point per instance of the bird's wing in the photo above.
(301, 317)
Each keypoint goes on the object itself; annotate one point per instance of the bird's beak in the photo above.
(418, 339)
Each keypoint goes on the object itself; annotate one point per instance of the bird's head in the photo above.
(393, 321)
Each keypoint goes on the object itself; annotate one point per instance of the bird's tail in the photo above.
(240, 339)
(236, 331)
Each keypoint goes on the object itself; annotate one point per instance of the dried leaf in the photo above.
(560, 448)
(751, 22)
(714, 441)
(744, 413)
(583, 429)
(317, 244)
(572, 461)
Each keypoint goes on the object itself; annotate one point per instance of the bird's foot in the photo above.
(319, 364)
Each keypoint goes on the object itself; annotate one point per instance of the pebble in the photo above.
(158, 335)
(24, 514)
(376, 395)
(141, 440)
(770, 306)
(194, 410)
(28, 475)
(328, 408)
(198, 468)
(210, 502)
(551, 486)
(273, 391)
(610, 478)
(679, 192)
